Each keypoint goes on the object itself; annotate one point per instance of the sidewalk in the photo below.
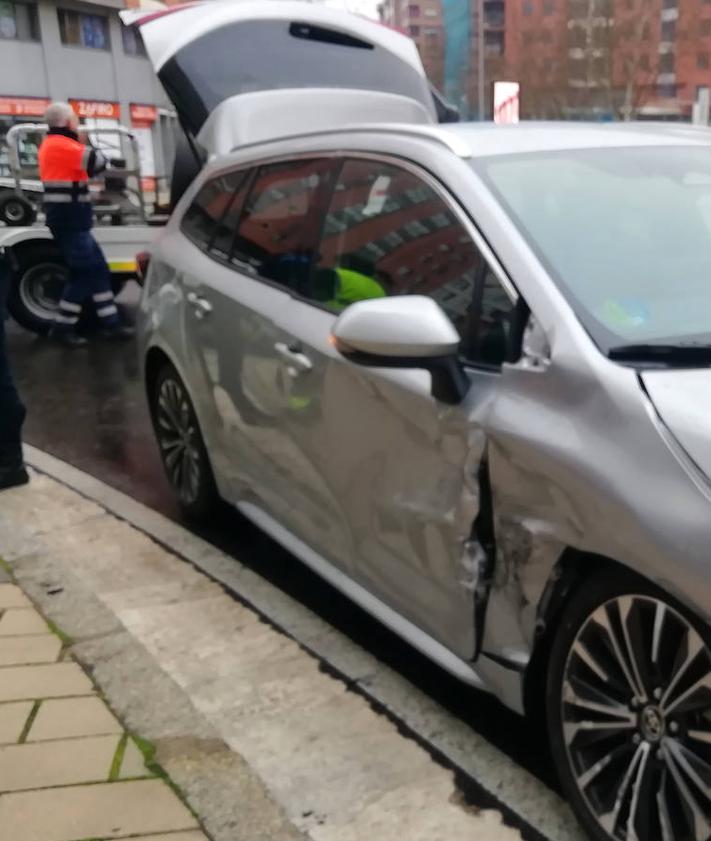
(68, 769)
(262, 739)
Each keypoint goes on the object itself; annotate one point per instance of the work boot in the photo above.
(13, 477)
(68, 338)
(119, 333)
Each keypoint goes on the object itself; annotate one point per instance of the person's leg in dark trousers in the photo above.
(12, 412)
(89, 279)
(76, 290)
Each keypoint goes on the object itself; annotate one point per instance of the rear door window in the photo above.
(281, 221)
(209, 206)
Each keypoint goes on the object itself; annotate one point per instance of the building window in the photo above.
(527, 8)
(494, 43)
(413, 10)
(666, 91)
(414, 31)
(78, 29)
(132, 41)
(18, 21)
(668, 31)
(705, 27)
(702, 61)
(548, 7)
(666, 63)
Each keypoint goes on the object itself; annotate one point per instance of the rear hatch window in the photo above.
(257, 55)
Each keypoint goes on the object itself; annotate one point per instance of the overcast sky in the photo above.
(363, 7)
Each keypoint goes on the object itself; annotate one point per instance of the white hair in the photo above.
(59, 115)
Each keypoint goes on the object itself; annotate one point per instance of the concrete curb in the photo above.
(489, 778)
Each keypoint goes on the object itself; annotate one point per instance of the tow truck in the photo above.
(123, 228)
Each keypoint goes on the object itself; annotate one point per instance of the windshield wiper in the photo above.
(682, 355)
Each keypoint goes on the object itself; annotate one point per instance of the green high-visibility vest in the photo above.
(354, 286)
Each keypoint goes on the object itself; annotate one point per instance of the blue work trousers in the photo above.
(89, 279)
(12, 412)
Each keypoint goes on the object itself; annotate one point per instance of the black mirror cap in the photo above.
(450, 382)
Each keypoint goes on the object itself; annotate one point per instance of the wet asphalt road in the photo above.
(87, 408)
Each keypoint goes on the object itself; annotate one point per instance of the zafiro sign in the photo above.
(96, 110)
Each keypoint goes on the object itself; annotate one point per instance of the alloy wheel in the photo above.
(178, 439)
(636, 713)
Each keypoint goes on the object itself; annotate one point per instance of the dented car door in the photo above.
(406, 470)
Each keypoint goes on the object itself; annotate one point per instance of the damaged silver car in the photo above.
(464, 374)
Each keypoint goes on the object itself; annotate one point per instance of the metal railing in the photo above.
(14, 138)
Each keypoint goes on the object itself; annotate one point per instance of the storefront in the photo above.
(15, 110)
(82, 53)
(153, 128)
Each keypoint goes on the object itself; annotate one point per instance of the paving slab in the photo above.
(18, 621)
(57, 680)
(12, 596)
(19, 651)
(12, 720)
(63, 762)
(110, 810)
(66, 718)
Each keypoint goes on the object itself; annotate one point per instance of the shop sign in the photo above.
(23, 106)
(143, 115)
(94, 110)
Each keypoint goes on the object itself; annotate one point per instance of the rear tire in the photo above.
(16, 211)
(182, 448)
(628, 705)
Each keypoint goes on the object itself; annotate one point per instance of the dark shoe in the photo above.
(13, 477)
(122, 333)
(68, 338)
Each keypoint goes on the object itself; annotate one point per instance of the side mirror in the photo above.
(408, 331)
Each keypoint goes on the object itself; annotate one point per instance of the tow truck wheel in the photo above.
(16, 211)
(37, 286)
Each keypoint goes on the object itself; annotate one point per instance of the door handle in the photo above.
(294, 356)
(201, 306)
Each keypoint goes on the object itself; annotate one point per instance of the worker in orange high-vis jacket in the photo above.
(66, 164)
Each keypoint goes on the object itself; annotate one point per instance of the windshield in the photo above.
(626, 233)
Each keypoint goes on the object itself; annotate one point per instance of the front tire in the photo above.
(182, 448)
(38, 281)
(37, 286)
(629, 712)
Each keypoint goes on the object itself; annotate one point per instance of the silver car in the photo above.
(465, 375)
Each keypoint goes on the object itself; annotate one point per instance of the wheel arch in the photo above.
(574, 567)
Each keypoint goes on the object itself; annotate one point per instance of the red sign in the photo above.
(94, 110)
(143, 115)
(23, 106)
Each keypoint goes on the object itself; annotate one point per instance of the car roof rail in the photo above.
(443, 137)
